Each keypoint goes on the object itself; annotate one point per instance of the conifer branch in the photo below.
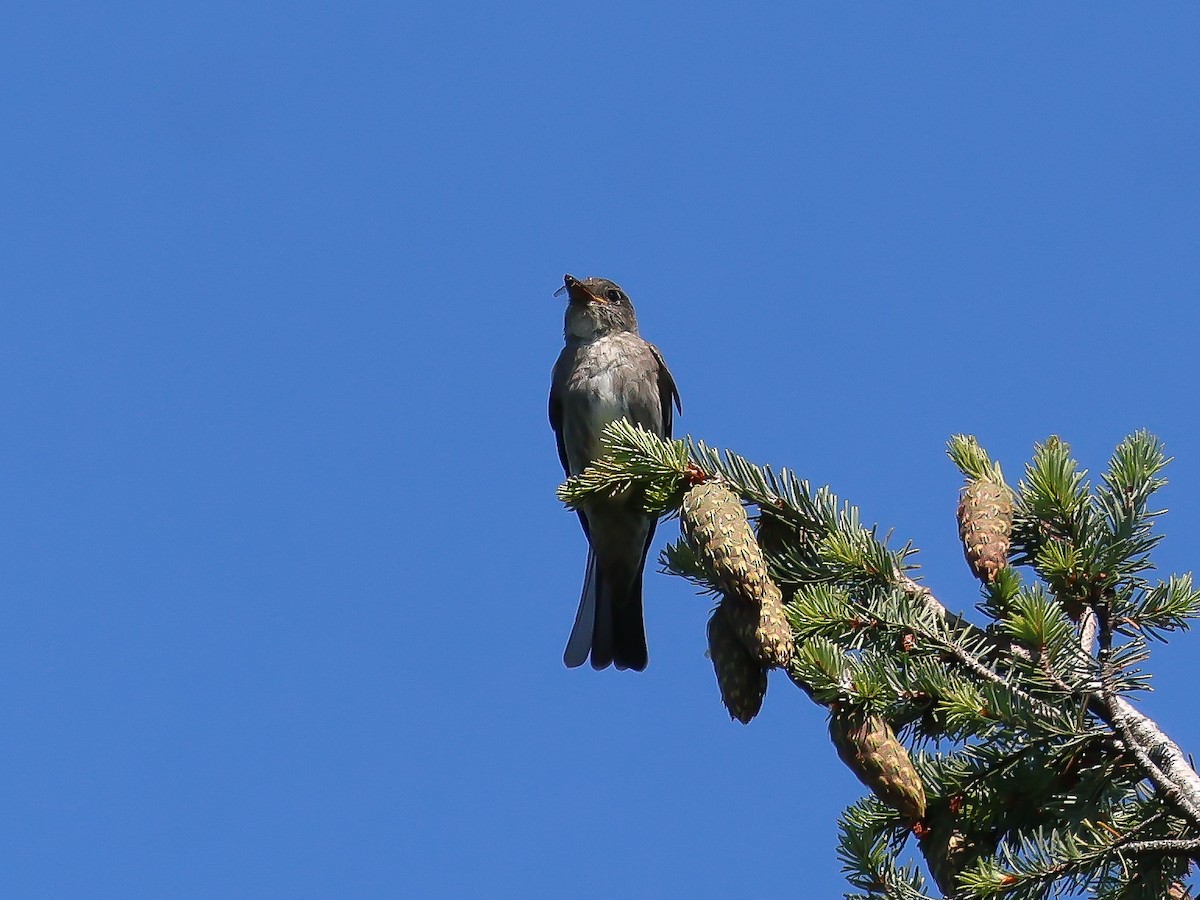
(1052, 778)
(1175, 793)
(1166, 845)
(972, 460)
(632, 458)
(1161, 750)
(1178, 781)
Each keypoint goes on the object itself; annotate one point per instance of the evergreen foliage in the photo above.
(1001, 751)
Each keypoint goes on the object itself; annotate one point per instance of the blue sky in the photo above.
(286, 584)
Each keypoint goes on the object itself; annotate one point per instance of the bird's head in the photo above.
(596, 307)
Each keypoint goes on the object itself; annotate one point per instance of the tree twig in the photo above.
(1159, 757)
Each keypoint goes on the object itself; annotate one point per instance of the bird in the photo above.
(606, 372)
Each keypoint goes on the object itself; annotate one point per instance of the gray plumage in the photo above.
(606, 372)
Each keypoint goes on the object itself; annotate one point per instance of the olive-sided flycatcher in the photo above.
(604, 373)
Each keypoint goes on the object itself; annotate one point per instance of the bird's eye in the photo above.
(613, 294)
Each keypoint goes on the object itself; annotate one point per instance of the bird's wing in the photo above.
(557, 380)
(667, 392)
(561, 367)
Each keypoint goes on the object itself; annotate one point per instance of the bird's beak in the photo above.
(577, 291)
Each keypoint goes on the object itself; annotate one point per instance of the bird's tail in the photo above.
(609, 625)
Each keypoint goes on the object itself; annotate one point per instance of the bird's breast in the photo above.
(610, 382)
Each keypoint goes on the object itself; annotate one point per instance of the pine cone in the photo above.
(773, 534)
(946, 853)
(763, 630)
(717, 529)
(985, 515)
(869, 747)
(948, 849)
(740, 677)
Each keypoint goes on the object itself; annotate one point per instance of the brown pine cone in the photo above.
(948, 849)
(869, 747)
(764, 630)
(985, 515)
(945, 853)
(740, 677)
(717, 529)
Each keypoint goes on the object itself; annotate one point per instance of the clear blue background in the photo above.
(285, 583)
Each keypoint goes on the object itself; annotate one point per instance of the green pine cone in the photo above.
(715, 525)
(869, 747)
(717, 529)
(985, 515)
(948, 851)
(763, 630)
(740, 677)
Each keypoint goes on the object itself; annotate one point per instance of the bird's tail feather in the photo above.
(579, 645)
(608, 628)
(628, 629)
(602, 634)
